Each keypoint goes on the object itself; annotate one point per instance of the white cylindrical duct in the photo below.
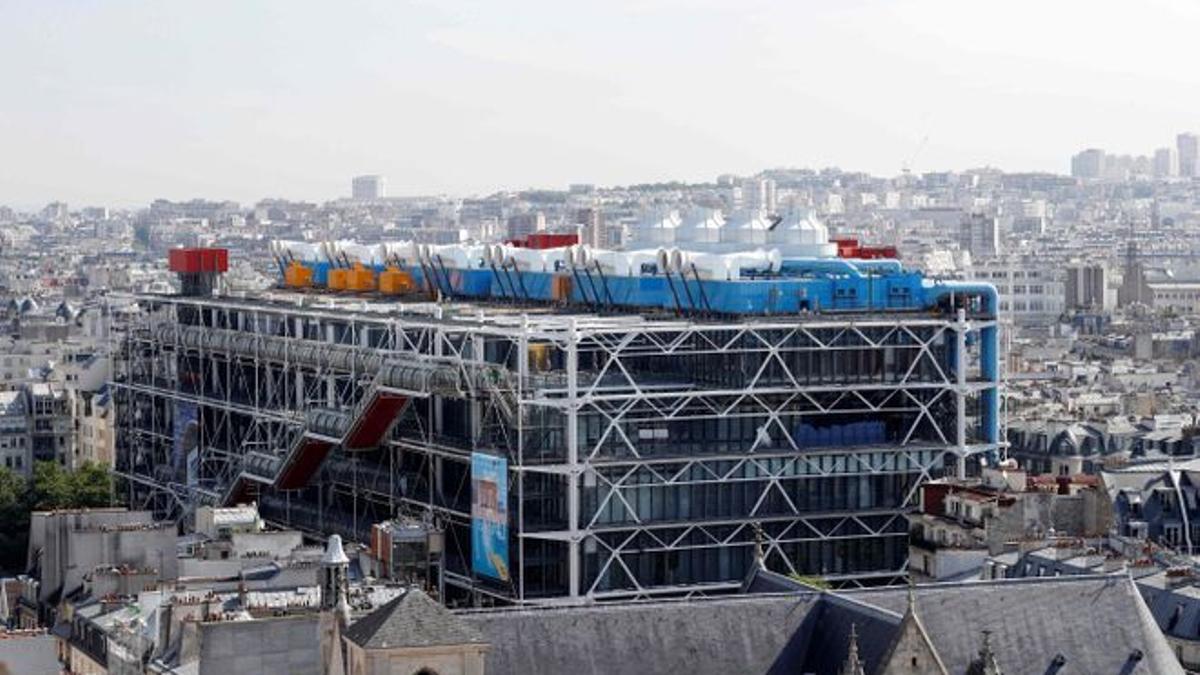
(583, 255)
(403, 251)
(662, 258)
(526, 259)
(494, 254)
(555, 259)
(705, 265)
(298, 250)
(613, 263)
(367, 254)
(647, 261)
(761, 260)
(458, 256)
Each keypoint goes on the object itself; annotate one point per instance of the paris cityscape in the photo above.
(448, 340)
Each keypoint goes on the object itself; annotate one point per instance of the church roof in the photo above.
(412, 620)
(1095, 622)
(1098, 624)
(714, 636)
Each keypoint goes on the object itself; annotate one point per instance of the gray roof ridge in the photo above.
(625, 604)
(836, 597)
(1015, 581)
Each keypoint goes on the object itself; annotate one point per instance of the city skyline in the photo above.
(123, 104)
(696, 336)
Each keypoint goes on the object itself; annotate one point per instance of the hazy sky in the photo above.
(121, 102)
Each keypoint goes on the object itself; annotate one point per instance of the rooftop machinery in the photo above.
(759, 281)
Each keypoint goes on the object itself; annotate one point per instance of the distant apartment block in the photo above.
(368, 187)
(1166, 162)
(522, 225)
(1088, 164)
(1188, 147)
(980, 235)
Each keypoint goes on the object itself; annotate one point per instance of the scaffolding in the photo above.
(644, 453)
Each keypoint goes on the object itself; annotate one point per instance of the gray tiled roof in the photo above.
(411, 620)
(1096, 622)
(716, 636)
(822, 643)
(1176, 608)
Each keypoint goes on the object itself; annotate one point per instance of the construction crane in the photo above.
(906, 166)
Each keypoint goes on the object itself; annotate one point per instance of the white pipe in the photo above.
(612, 263)
(646, 256)
(300, 250)
(405, 251)
(367, 254)
(556, 258)
(526, 259)
(456, 256)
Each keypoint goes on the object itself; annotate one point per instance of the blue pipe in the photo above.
(989, 347)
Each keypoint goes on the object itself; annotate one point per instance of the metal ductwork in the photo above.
(411, 376)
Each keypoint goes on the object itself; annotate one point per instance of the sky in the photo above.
(123, 101)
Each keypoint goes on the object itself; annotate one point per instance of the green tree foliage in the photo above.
(91, 486)
(51, 487)
(14, 520)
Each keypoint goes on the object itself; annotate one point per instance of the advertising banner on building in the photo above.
(489, 515)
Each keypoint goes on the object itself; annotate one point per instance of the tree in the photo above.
(54, 487)
(91, 486)
(50, 487)
(14, 520)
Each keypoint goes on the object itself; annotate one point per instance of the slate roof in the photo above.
(1096, 622)
(1176, 608)
(822, 643)
(412, 620)
(713, 636)
(761, 580)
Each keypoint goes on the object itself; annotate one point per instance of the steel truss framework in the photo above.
(647, 456)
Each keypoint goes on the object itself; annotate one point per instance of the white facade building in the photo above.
(1031, 292)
